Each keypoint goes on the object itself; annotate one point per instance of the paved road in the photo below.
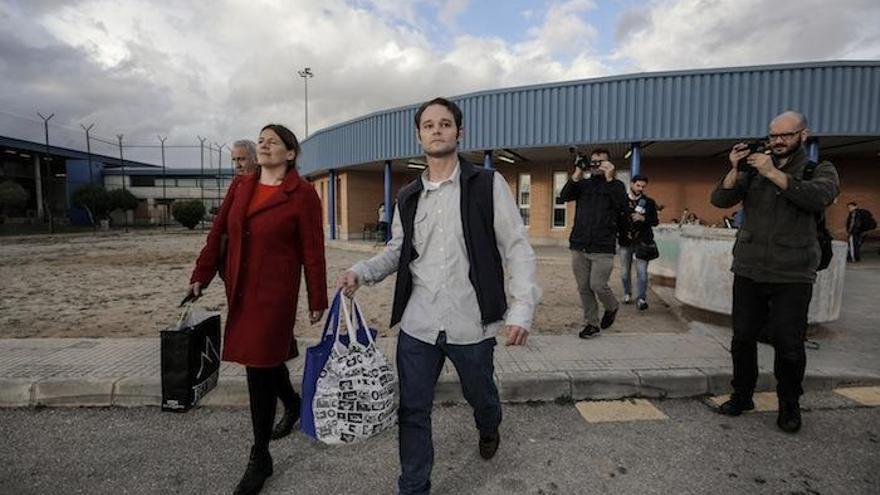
(546, 449)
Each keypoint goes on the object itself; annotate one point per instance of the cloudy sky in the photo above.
(223, 68)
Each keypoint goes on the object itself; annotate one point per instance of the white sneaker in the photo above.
(627, 299)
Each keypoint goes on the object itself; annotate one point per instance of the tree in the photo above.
(122, 199)
(188, 212)
(94, 199)
(12, 195)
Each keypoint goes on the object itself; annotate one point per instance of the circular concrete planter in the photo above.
(704, 279)
(668, 237)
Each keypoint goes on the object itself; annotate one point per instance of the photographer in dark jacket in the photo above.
(600, 213)
(774, 259)
(643, 215)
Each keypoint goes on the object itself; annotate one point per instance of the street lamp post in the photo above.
(306, 73)
(47, 203)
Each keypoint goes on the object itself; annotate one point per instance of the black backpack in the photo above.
(868, 222)
(822, 233)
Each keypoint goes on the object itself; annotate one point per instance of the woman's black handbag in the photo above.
(646, 251)
(190, 353)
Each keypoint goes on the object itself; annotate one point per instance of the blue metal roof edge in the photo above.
(617, 77)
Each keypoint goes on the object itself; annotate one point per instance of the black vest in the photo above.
(477, 220)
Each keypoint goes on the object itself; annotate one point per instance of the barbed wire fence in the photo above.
(49, 185)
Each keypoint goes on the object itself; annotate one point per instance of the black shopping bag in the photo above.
(190, 359)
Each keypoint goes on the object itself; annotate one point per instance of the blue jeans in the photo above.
(626, 260)
(418, 367)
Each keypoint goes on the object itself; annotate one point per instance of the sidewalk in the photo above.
(125, 371)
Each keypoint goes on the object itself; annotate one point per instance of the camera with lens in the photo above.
(755, 147)
(582, 160)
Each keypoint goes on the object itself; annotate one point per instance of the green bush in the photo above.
(94, 199)
(188, 212)
(12, 195)
(122, 199)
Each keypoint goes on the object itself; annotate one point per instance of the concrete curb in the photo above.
(16, 392)
(231, 390)
(137, 391)
(74, 392)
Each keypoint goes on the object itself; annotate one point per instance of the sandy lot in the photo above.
(129, 285)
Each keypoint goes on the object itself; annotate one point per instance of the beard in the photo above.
(787, 151)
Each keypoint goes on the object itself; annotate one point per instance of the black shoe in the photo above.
(789, 418)
(607, 319)
(642, 304)
(589, 331)
(259, 468)
(489, 445)
(287, 422)
(736, 405)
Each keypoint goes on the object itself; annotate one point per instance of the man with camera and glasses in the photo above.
(774, 259)
(600, 213)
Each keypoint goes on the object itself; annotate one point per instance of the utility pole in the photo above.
(89, 150)
(219, 172)
(164, 184)
(122, 165)
(46, 202)
(306, 73)
(202, 173)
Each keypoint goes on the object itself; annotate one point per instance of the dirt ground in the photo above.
(129, 285)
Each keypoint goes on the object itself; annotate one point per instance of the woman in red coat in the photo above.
(272, 225)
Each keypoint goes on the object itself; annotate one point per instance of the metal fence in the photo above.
(42, 138)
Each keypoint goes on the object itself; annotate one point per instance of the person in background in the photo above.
(775, 258)
(244, 157)
(600, 215)
(643, 213)
(382, 224)
(858, 221)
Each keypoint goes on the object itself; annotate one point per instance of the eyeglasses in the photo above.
(785, 135)
(595, 163)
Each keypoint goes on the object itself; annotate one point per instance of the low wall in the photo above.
(704, 279)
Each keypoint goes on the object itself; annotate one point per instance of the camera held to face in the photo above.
(755, 147)
(582, 160)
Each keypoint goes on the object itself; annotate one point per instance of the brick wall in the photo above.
(675, 183)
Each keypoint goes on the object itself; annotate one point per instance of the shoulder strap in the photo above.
(809, 170)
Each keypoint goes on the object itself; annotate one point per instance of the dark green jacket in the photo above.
(777, 241)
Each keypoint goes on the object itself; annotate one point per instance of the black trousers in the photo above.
(265, 387)
(781, 311)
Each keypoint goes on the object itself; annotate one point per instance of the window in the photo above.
(559, 179)
(141, 181)
(523, 197)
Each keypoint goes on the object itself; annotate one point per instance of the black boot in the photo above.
(737, 405)
(489, 445)
(288, 420)
(259, 468)
(789, 418)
